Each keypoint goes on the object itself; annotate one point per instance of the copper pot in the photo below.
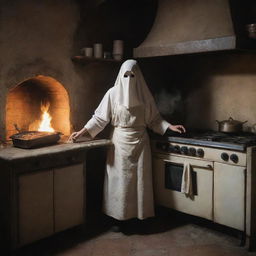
(230, 125)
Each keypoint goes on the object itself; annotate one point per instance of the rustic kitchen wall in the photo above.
(40, 37)
(198, 89)
(37, 39)
(219, 86)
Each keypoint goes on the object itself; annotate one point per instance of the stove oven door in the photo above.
(168, 170)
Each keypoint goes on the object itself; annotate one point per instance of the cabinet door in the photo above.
(35, 206)
(229, 195)
(69, 196)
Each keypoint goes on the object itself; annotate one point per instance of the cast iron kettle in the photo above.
(230, 125)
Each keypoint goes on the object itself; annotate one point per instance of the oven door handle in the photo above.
(208, 166)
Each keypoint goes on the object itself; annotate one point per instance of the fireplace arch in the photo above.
(23, 105)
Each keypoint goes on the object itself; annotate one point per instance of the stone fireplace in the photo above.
(24, 105)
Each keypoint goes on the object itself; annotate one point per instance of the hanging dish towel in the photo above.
(186, 184)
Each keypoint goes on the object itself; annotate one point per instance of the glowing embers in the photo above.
(44, 124)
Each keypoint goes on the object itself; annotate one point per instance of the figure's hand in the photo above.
(177, 128)
(75, 135)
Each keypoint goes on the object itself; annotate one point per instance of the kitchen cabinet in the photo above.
(68, 197)
(49, 201)
(35, 206)
(42, 191)
(229, 195)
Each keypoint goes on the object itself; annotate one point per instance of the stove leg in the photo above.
(242, 239)
(251, 243)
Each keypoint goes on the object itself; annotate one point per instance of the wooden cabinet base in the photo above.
(36, 204)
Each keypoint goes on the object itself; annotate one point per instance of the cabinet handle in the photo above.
(208, 166)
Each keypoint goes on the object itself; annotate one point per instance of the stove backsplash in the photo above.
(197, 90)
(222, 86)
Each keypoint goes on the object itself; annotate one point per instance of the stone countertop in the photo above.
(10, 153)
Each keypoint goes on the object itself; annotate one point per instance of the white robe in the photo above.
(128, 189)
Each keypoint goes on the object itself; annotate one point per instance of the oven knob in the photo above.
(165, 146)
(184, 150)
(162, 146)
(176, 149)
(224, 156)
(170, 148)
(234, 158)
(200, 152)
(192, 151)
(159, 145)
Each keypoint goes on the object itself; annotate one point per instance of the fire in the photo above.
(45, 125)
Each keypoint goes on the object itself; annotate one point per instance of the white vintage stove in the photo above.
(223, 177)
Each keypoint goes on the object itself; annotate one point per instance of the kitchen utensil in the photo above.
(87, 51)
(107, 55)
(34, 139)
(98, 50)
(230, 125)
(118, 49)
(251, 30)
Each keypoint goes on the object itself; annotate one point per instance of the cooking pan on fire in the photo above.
(34, 139)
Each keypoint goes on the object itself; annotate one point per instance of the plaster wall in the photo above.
(37, 38)
(221, 86)
(198, 89)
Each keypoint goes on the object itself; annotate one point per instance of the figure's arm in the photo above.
(98, 121)
(158, 124)
(177, 128)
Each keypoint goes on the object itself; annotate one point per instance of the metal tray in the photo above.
(37, 139)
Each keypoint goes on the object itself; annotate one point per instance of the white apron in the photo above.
(128, 189)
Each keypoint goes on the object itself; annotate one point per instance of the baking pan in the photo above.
(34, 139)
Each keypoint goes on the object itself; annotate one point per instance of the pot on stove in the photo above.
(230, 125)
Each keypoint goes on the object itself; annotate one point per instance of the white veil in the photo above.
(132, 91)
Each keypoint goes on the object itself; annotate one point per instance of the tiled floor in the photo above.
(165, 235)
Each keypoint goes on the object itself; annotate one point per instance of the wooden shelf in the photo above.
(86, 60)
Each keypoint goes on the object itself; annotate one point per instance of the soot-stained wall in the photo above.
(225, 86)
(40, 37)
(199, 89)
(37, 39)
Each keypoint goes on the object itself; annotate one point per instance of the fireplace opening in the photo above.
(40, 103)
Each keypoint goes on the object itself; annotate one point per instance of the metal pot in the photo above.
(230, 125)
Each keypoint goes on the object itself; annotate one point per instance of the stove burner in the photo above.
(234, 141)
(236, 138)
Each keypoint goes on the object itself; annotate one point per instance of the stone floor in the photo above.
(166, 235)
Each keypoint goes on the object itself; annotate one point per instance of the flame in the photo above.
(45, 125)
